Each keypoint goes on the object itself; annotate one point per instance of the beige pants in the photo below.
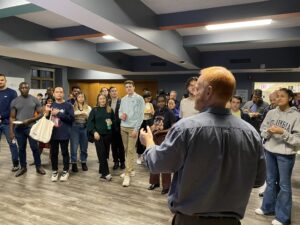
(129, 147)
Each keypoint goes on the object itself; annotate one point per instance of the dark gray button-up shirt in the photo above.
(216, 159)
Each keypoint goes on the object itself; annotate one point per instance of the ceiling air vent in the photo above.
(158, 64)
(236, 61)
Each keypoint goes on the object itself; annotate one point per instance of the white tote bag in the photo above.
(42, 130)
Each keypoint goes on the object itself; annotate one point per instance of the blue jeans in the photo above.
(4, 128)
(79, 137)
(22, 134)
(279, 170)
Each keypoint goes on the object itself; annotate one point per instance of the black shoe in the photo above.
(153, 186)
(84, 167)
(116, 166)
(165, 191)
(21, 171)
(122, 166)
(40, 170)
(261, 194)
(74, 168)
(15, 168)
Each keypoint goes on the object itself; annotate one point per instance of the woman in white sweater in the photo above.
(281, 133)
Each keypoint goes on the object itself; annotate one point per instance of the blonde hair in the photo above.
(108, 108)
(221, 80)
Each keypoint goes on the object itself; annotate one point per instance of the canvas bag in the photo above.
(42, 130)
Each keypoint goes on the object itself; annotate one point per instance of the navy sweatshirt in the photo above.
(63, 121)
(6, 97)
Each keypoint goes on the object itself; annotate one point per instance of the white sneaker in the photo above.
(139, 160)
(276, 222)
(259, 211)
(64, 176)
(126, 181)
(107, 177)
(132, 174)
(54, 176)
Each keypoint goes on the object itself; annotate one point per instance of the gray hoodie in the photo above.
(287, 143)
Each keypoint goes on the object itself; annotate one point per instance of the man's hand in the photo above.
(123, 116)
(134, 134)
(54, 112)
(96, 136)
(275, 130)
(146, 138)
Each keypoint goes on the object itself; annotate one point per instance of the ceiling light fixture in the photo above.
(108, 37)
(237, 25)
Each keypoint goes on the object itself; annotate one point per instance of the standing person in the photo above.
(48, 94)
(79, 132)
(104, 91)
(7, 95)
(172, 106)
(173, 95)
(75, 91)
(22, 117)
(187, 105)
(117, 147)
(235, 108)
(255, 109)
(100, 125)
(273, 103)
(163, 121)
(210, 153)
(148, 121)
(281, 132)
(62, 114)
(131, 113)
(39, 96)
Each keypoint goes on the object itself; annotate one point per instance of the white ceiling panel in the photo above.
(171, 6)
(48, 19)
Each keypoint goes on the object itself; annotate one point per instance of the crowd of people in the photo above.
(175, 136)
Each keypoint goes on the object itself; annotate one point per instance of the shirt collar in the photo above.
(217, 110)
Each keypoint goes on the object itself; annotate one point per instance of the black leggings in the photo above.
(102, 149)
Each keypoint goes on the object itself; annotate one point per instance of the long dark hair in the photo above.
(290, 94)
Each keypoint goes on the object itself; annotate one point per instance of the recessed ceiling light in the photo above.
(108, 37)
(237, 25)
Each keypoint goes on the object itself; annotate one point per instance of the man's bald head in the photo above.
(221, 80)
(215, 87)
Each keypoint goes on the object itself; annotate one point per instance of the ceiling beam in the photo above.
(243, 36)
(114, 47)
(17, 7)
(74, 33)
(258, 10)
(128, 21)
(25, 40)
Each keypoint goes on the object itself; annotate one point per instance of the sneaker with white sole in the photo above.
(126, 181)
(107, 177)
(132, 174)
(139, 160)
(276, 222)
(54, 176)
(259, 211)
(64, 176)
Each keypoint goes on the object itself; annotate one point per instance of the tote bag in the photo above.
(42, 130)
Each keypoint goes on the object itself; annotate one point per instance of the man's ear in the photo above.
(209, 92)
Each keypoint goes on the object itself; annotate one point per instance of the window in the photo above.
(42, 78)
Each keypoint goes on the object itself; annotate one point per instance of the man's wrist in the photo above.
(149, 143)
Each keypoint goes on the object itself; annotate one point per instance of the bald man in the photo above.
(212, 155)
